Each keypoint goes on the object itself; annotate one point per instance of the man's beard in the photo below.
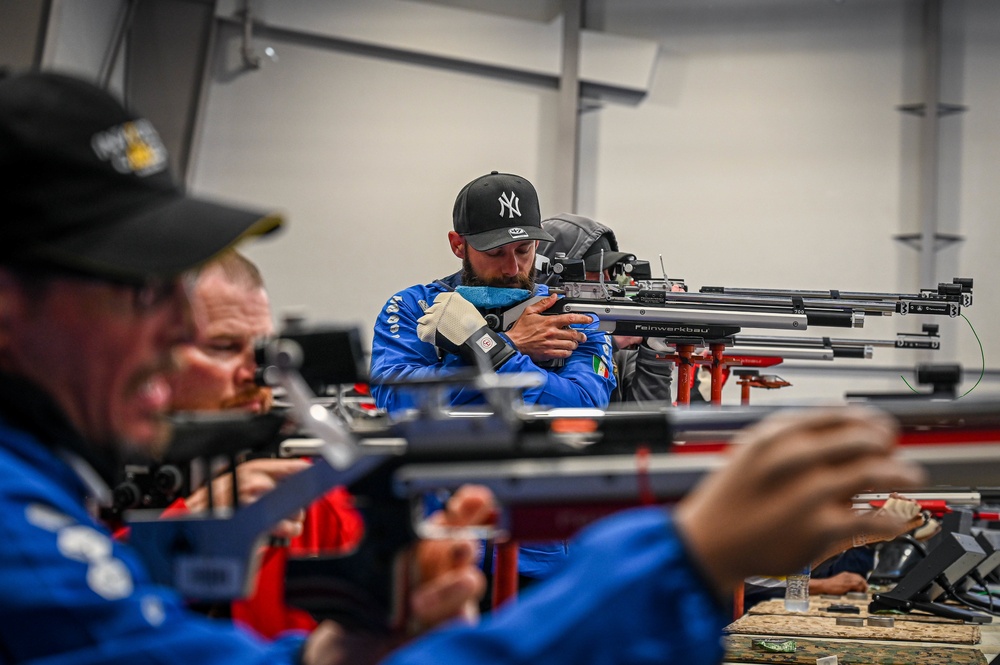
(256, 395)
(519, 281)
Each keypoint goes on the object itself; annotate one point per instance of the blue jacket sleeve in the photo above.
(69, 594)
(585, 379)
(645, 603)
(397, 352)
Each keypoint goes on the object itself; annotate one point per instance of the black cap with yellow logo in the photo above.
(85, 184)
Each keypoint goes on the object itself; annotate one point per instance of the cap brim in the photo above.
(494, 238)
(165, 240)
(593, 262)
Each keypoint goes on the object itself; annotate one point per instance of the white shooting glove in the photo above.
(904, 510)
(454, 325)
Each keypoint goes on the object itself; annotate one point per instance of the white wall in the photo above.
(80, 38)
(769, 152)
(976, 212)
(366, 155)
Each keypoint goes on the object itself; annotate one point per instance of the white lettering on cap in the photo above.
(517, 232)
(511, 203)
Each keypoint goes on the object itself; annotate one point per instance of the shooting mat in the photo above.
(739, 650)
(776, 607)
(809, 626)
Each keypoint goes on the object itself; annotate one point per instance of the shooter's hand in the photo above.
(837, 585)
(660, 345)
(332, 644)
(454, 325)
(626, 341)
(449, 583)
(785, 495)
(542, 337)
(255, 478)
(906, 511)
(899, 515)
(449, 586)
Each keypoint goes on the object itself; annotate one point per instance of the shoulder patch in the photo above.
(46, 517)
(109, 579)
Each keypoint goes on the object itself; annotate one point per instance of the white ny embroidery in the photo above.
(511, 203)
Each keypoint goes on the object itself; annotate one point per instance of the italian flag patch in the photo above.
(600, 368)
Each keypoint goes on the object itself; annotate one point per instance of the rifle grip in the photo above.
(558, 307)
(362, 589)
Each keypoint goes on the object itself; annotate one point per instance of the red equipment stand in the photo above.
(738, 601)
(744, 381)
(505, 573)
(683, 359)
(751, 378)
(686, 361)
(717, 348)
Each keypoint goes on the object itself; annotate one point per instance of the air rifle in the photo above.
(667, 315)
(945, 300)
(943, 503)
(633, 303)
(572, 462)
(828, 348)
(767, 351)
(553, 471)
(657, 313)
(650, 308)
(692, 314)
(713, 317)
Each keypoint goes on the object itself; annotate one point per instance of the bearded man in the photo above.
(436, 328)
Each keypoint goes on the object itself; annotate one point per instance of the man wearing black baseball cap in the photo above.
(488, 212)
(97, 241)
(643, 373)
(90, 208)
(440, 326)
(96, 237)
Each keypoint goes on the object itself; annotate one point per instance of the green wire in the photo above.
(982, 354)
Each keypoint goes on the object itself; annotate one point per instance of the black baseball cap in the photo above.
(592, 257)
(497, 209)
(85, 185)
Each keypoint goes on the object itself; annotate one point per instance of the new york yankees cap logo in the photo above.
(510, 203)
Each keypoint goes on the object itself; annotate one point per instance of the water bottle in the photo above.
(797, 591)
